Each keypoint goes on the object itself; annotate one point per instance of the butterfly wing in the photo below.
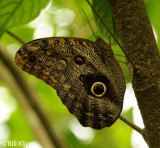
(87, 77)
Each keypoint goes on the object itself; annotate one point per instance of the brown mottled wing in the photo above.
(72, 66)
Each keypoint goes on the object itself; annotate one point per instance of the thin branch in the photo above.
(131, 124)
(110, 33)
(15, 37)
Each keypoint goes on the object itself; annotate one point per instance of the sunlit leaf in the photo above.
(105, 12)
(18, 12)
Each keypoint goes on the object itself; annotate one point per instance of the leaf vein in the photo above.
(3, 26)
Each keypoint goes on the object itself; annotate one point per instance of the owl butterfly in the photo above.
(85, 74)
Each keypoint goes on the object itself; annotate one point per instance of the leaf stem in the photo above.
(131, 124)
(17, 38)
(110, 32)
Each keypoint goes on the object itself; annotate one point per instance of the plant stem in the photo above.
(17, 38)
(110, 32)
(131, 124)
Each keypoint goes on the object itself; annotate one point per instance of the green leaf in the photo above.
(18, 12)
(105, 12)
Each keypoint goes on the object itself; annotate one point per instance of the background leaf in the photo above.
(153, 12)
(104, 10)
(18, 12)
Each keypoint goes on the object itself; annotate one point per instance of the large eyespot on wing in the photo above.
(98, 89)
(100, 108)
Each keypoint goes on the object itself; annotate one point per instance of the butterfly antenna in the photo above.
(110, 32)
(87, 20)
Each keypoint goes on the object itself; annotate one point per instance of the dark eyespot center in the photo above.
(98, 89)
(32, 59)
(79, 60)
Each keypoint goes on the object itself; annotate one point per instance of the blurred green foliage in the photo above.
(19, 12)
(14, 16)
(104, 10)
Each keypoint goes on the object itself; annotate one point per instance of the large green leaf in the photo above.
(18, 12)
(105, 12)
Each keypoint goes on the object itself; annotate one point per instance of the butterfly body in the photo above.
(86, 75)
